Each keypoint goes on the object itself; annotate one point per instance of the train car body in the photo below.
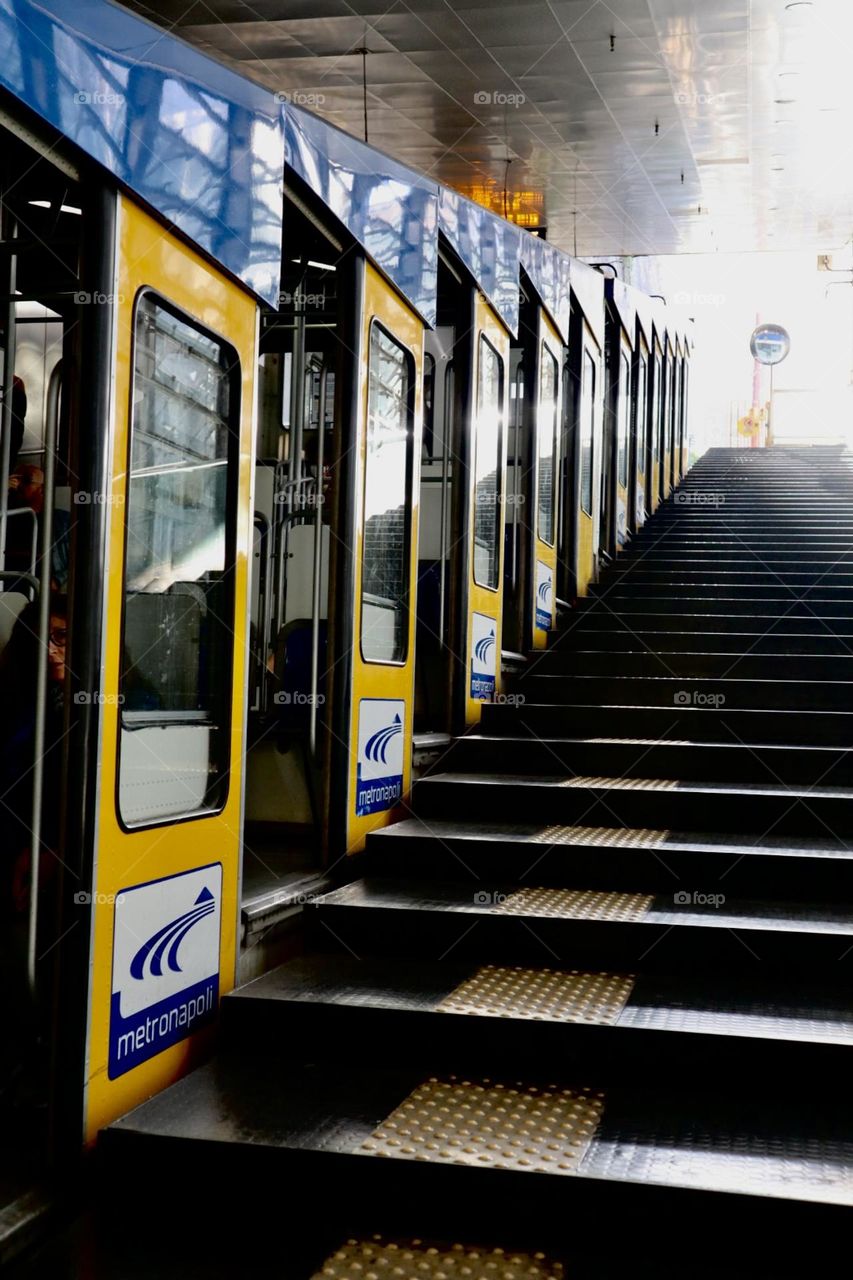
(327, 448)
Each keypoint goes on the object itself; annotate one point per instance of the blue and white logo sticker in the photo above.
(165, 964)
(483, 657)
(544, 596)
(379, 770)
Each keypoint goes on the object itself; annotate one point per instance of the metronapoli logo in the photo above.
(544, 595)
(379, 767)
(165, 964)
(483, 657)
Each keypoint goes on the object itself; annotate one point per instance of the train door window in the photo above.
(488, 447)
(387, 500)
(587, 431)
(655, 423)
(429, 407)
(622, 421)
(641, 409)
(178, 599)
(546, 443)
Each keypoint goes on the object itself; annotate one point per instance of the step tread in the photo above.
(639, 837)
(744, 1008)
(473, 778)
(798, 1151)
(597, 907)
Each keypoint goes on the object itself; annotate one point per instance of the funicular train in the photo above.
(325, 449)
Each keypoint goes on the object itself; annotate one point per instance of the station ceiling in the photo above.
(634, 127)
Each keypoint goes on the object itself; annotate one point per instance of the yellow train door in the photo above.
(374, 571)
(166, 871)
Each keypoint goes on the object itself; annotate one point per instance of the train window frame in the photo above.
(623, 412)
(588, 361)
(376, 325)
(656, 420)
(233, 366)
(545, 354)
(642, 410)
(483, 341)
(429, 376)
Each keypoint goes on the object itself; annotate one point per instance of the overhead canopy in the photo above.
(489, 246)
(198, 143)
(390, 210)
(549, 271)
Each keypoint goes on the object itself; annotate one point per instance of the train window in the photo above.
(587, 431)
(387, 501)
(428, 451)
(546, 443)
(622, 422)
(488, 450)
(642, 409)
(655, 424)
(178, 598)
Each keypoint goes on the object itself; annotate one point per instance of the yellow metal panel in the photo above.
(543, 555)
(150, 257)
(375, 679)
(485, 600)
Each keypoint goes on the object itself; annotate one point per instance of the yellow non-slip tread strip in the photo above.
(375, 1258)
(618, 837)
(575, 904)
(546, 995)
(484, 1123)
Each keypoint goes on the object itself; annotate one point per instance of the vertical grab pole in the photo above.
(50, 440)
(318, 561)
(8, 232)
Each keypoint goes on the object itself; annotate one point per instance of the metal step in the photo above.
(723, 693)
(732, 762)
(636, 802)
(383, 1144)
(621, 1027)
(673, 723)
(586, 855)
(500, 922)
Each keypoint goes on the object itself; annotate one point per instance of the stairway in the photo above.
(612, 946)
